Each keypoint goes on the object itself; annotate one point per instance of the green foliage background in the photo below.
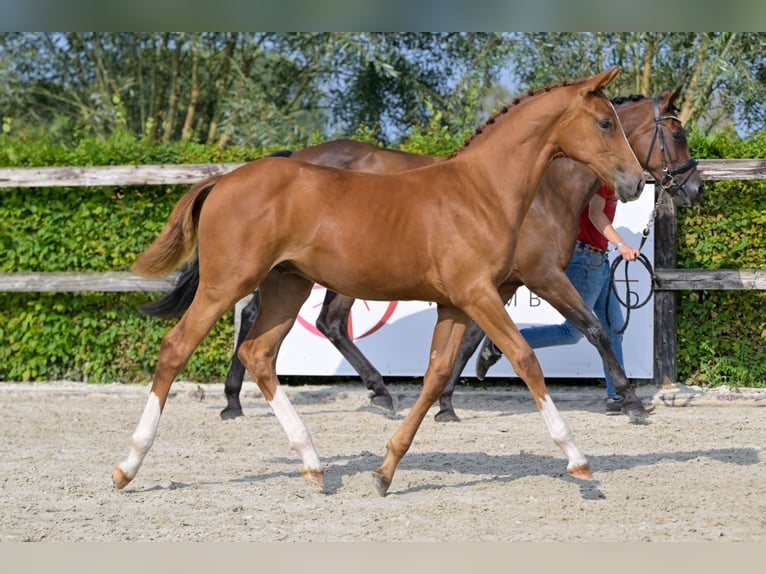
(102, 337)
(722, 334)
(99, 337)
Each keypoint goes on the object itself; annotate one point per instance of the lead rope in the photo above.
(644, 260)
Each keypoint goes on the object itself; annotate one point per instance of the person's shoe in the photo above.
(614, 406)
(488, 356)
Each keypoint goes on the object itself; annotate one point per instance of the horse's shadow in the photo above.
(503, 468)
(485, 468)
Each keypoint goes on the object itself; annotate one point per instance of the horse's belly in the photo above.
(375, 278)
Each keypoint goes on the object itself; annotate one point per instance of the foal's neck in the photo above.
(517, 147)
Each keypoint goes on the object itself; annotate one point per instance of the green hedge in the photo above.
(722, 334)
(101, 337)
(97, 337)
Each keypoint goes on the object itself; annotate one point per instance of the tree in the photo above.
(257, 88)
(723, 73)
(267, 88)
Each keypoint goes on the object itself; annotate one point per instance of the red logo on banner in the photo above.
(365, 317)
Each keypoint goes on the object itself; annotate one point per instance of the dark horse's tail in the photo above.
(175, 302)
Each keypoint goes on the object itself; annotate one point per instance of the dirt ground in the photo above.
(696, 473)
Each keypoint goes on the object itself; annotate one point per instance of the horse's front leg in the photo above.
(333, 324)
(562, 295)
(489, 312)
(450, 327)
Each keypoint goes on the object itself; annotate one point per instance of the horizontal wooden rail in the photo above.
(664, 280)
(111, 175)
(731, 169)
(710, 169)
(718, 279)
(82, 282)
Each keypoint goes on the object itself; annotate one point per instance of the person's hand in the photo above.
(628, 253)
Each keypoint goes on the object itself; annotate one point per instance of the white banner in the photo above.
(395, 336)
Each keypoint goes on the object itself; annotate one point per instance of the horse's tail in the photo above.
(175, 302)
(178, 241)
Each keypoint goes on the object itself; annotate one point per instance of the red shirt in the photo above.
(588, 232)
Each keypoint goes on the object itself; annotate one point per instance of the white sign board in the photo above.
(395, 336)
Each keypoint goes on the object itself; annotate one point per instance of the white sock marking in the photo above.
(143, 437)
(297, 433)
(561, 434)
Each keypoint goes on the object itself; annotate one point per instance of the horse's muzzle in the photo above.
(629, 189)
(687, 195)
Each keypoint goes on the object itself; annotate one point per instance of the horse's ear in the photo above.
(598, 82)
(672, 100)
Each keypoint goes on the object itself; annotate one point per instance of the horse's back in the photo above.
(360, 156)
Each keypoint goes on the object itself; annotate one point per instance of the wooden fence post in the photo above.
(665, 246)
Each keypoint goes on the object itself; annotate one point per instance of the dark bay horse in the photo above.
(444, 233)
(658, 139)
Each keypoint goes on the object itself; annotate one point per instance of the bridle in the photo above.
(669, 172)
(667, 183)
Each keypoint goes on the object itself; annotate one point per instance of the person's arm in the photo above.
(601, 222)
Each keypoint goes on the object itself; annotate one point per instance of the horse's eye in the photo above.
(605, 124)
(679, 135)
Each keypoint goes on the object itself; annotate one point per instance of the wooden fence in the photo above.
(667, 279)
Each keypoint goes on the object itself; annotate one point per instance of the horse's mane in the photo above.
(619, 100)
(633, 98)
(508, 107)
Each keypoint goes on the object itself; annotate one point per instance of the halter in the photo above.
(667, 182)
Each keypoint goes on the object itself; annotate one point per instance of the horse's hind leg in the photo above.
(448, 333)
(232, 386)
(333, 324)
(282, 297)
(175, 350)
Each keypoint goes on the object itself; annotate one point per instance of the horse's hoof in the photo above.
(639, 416)
(229, 414)
(581, 471)
(638, 419)
(119, 478)
(446, 416)
(385, 402)
(314, 475)
(381, 482)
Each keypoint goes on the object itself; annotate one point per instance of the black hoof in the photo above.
(446, 416)
(229, 414)
(639, 416)
(385, 402)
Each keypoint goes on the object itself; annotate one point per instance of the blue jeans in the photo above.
(589, 273)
